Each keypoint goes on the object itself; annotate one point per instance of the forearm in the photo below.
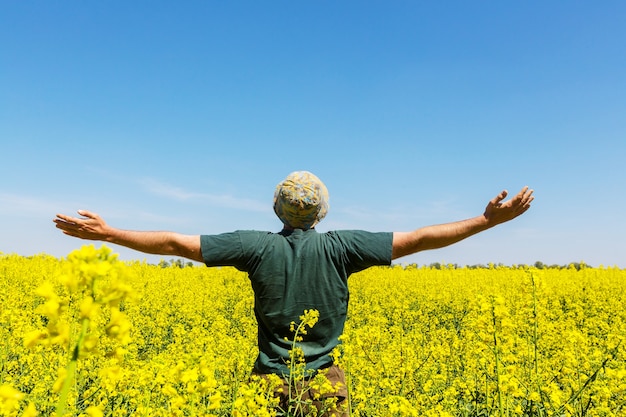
(437, 236)
(157, 243)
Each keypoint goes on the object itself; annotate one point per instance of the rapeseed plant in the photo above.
(92, 280)
(510, 341)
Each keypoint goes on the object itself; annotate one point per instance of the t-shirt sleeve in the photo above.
(364, 249)
(223, 250)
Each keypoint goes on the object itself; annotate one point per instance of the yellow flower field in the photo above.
(91, 336)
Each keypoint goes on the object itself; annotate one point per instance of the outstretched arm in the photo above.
(439, 236)
(92, 227)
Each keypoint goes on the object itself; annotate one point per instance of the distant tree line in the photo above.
(539, 265)
(180, 263)
(175, 263)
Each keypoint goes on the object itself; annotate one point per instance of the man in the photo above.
(298, 268)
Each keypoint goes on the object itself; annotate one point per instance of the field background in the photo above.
(420, 341)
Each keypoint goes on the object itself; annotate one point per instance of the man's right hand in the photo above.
(90, 226)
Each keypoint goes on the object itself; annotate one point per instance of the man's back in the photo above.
(293, 271)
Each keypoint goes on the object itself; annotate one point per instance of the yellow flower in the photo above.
(9, 394)
(93, 412)
(58, 384)
(534, 396)
(46, 290)
(87, 307)
(310, 317)
(119, 326)
(169, 390)
(30, 411)
(215, 401)
(33, 337)
(51, 308)
(60, 334)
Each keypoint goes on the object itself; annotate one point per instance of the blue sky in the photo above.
(184, 116)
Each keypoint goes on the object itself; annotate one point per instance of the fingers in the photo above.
(498, 211)
(526, 196)
(66, 222)
(89, 226)
(522, 200)
(87, 214)
(517, 204)
(65, 219)
(67, 227)
(75, 220)
(497, 199)
(74, 226)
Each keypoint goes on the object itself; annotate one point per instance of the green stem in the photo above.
(497, 355)
(293, 380)
(536, 377)
(535, 334)
(71, 370)
(348, 387)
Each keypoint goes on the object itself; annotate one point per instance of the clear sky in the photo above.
(184, 116)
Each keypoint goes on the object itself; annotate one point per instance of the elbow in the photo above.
(188, 247)
(406, 243)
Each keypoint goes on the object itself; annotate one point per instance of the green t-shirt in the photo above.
(293, 271)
